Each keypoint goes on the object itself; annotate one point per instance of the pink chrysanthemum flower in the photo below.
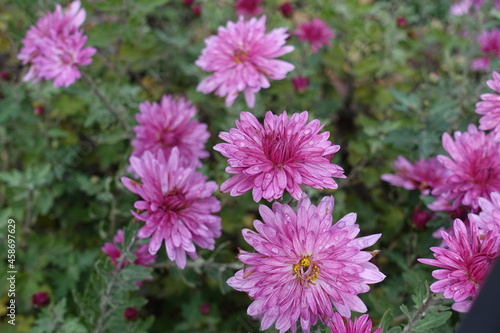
(143, 257)
(315, 32)
(241, 56)
(489, 108)
(54, 47)
(248, 7)
(474, 167)
(423, 175)
(464, 264)
(489, 217)
(167, 125)
(490, 44)
(281, 155)
(361, 324)
(303, 265)
(177, 206)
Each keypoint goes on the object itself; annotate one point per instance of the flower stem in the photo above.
(105, 101)
(419, 314)
(106, 298)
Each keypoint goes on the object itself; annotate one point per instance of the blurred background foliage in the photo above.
(395, 78)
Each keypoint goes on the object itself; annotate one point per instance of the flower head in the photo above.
(489, 108)
(423, 175)
(167, 125)
(300, 83)
(489, 41)
(303, 264)
(241, 56)
(54, 47)
(361, 324)
(286, 9)
(464, 264)
(315, 32)
(40, 299)
(248, 7)
(143, 257)
(131, 314)
(177, 205)
(281, 155)
(489, 217)
(474, 167)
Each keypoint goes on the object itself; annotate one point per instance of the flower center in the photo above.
(305, 270)
(240, 56)
(167, 138)
(276, 148)
(479, 267)
(174, 201)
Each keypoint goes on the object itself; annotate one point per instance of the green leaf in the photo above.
(431, 320)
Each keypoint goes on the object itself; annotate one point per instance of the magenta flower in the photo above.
(303, 265)
(489, 217)
(420, 217)
(177, 206)
(424, 175)
(281, 155)
(489, 41)
(474, 167)
(248, 7)
(167, 125)
(489, 108)
(315, 32)
(300, 83)
(143, 257)
(54, 47)
(241, 56)
(362, 324)
(286, 9)
(464, 264)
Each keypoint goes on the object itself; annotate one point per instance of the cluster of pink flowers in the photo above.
(54, 47)
(303, 265)
(177, 203)
(489, 40)
(467, 184)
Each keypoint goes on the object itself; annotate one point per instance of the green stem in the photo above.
(105, 101)
(106, 298)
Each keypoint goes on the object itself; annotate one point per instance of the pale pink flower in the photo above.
(474, 167)
(143, 257)
(167, 125)
(241, 56)
(54, 47)
(489, 108)
(424, 175)
(489, 217)
(489, 41)
(315, 32)
(248, 7)
(177, 205)
(361, 324)
(303, 265)
(281, 155)
(465, 263)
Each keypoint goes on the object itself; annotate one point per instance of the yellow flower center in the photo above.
(305, 270)
(240, 56)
